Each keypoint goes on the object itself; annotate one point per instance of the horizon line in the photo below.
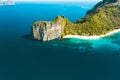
(55, 1)
(60, 1)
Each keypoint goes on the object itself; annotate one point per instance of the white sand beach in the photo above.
(94, 37)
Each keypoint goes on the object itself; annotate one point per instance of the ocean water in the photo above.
(22, 58)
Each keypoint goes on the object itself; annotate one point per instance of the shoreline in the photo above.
(94, 37)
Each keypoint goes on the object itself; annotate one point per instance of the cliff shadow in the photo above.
(29, 37)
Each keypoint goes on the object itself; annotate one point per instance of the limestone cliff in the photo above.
(103, 18)
(49, 30)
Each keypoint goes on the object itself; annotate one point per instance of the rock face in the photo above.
(49, 30)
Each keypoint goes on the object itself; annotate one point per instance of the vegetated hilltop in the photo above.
(103, 18)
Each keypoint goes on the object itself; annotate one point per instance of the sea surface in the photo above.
(22, 58)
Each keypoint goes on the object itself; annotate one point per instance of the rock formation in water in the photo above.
(48, 30)
(103, 18)
(1, 3)
(9, 2)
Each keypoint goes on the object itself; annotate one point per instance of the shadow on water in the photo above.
(29, 37)
(63, 43)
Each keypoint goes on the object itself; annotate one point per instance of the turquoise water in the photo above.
(22, 58)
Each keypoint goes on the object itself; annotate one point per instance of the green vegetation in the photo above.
(100, 20)
(103, 18)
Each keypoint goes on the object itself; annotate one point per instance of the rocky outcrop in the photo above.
(103, 18)
(9, 2)
(1, 3)
(49, 30)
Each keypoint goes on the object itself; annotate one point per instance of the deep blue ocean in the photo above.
(22, 58)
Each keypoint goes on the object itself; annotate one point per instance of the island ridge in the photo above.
(102, 20)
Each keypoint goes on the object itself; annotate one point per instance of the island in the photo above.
(101, 21)
(1, 4)
(9, 2)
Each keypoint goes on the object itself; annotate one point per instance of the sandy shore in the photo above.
(94, 37)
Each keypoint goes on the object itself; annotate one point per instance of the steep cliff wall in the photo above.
(49, 30)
